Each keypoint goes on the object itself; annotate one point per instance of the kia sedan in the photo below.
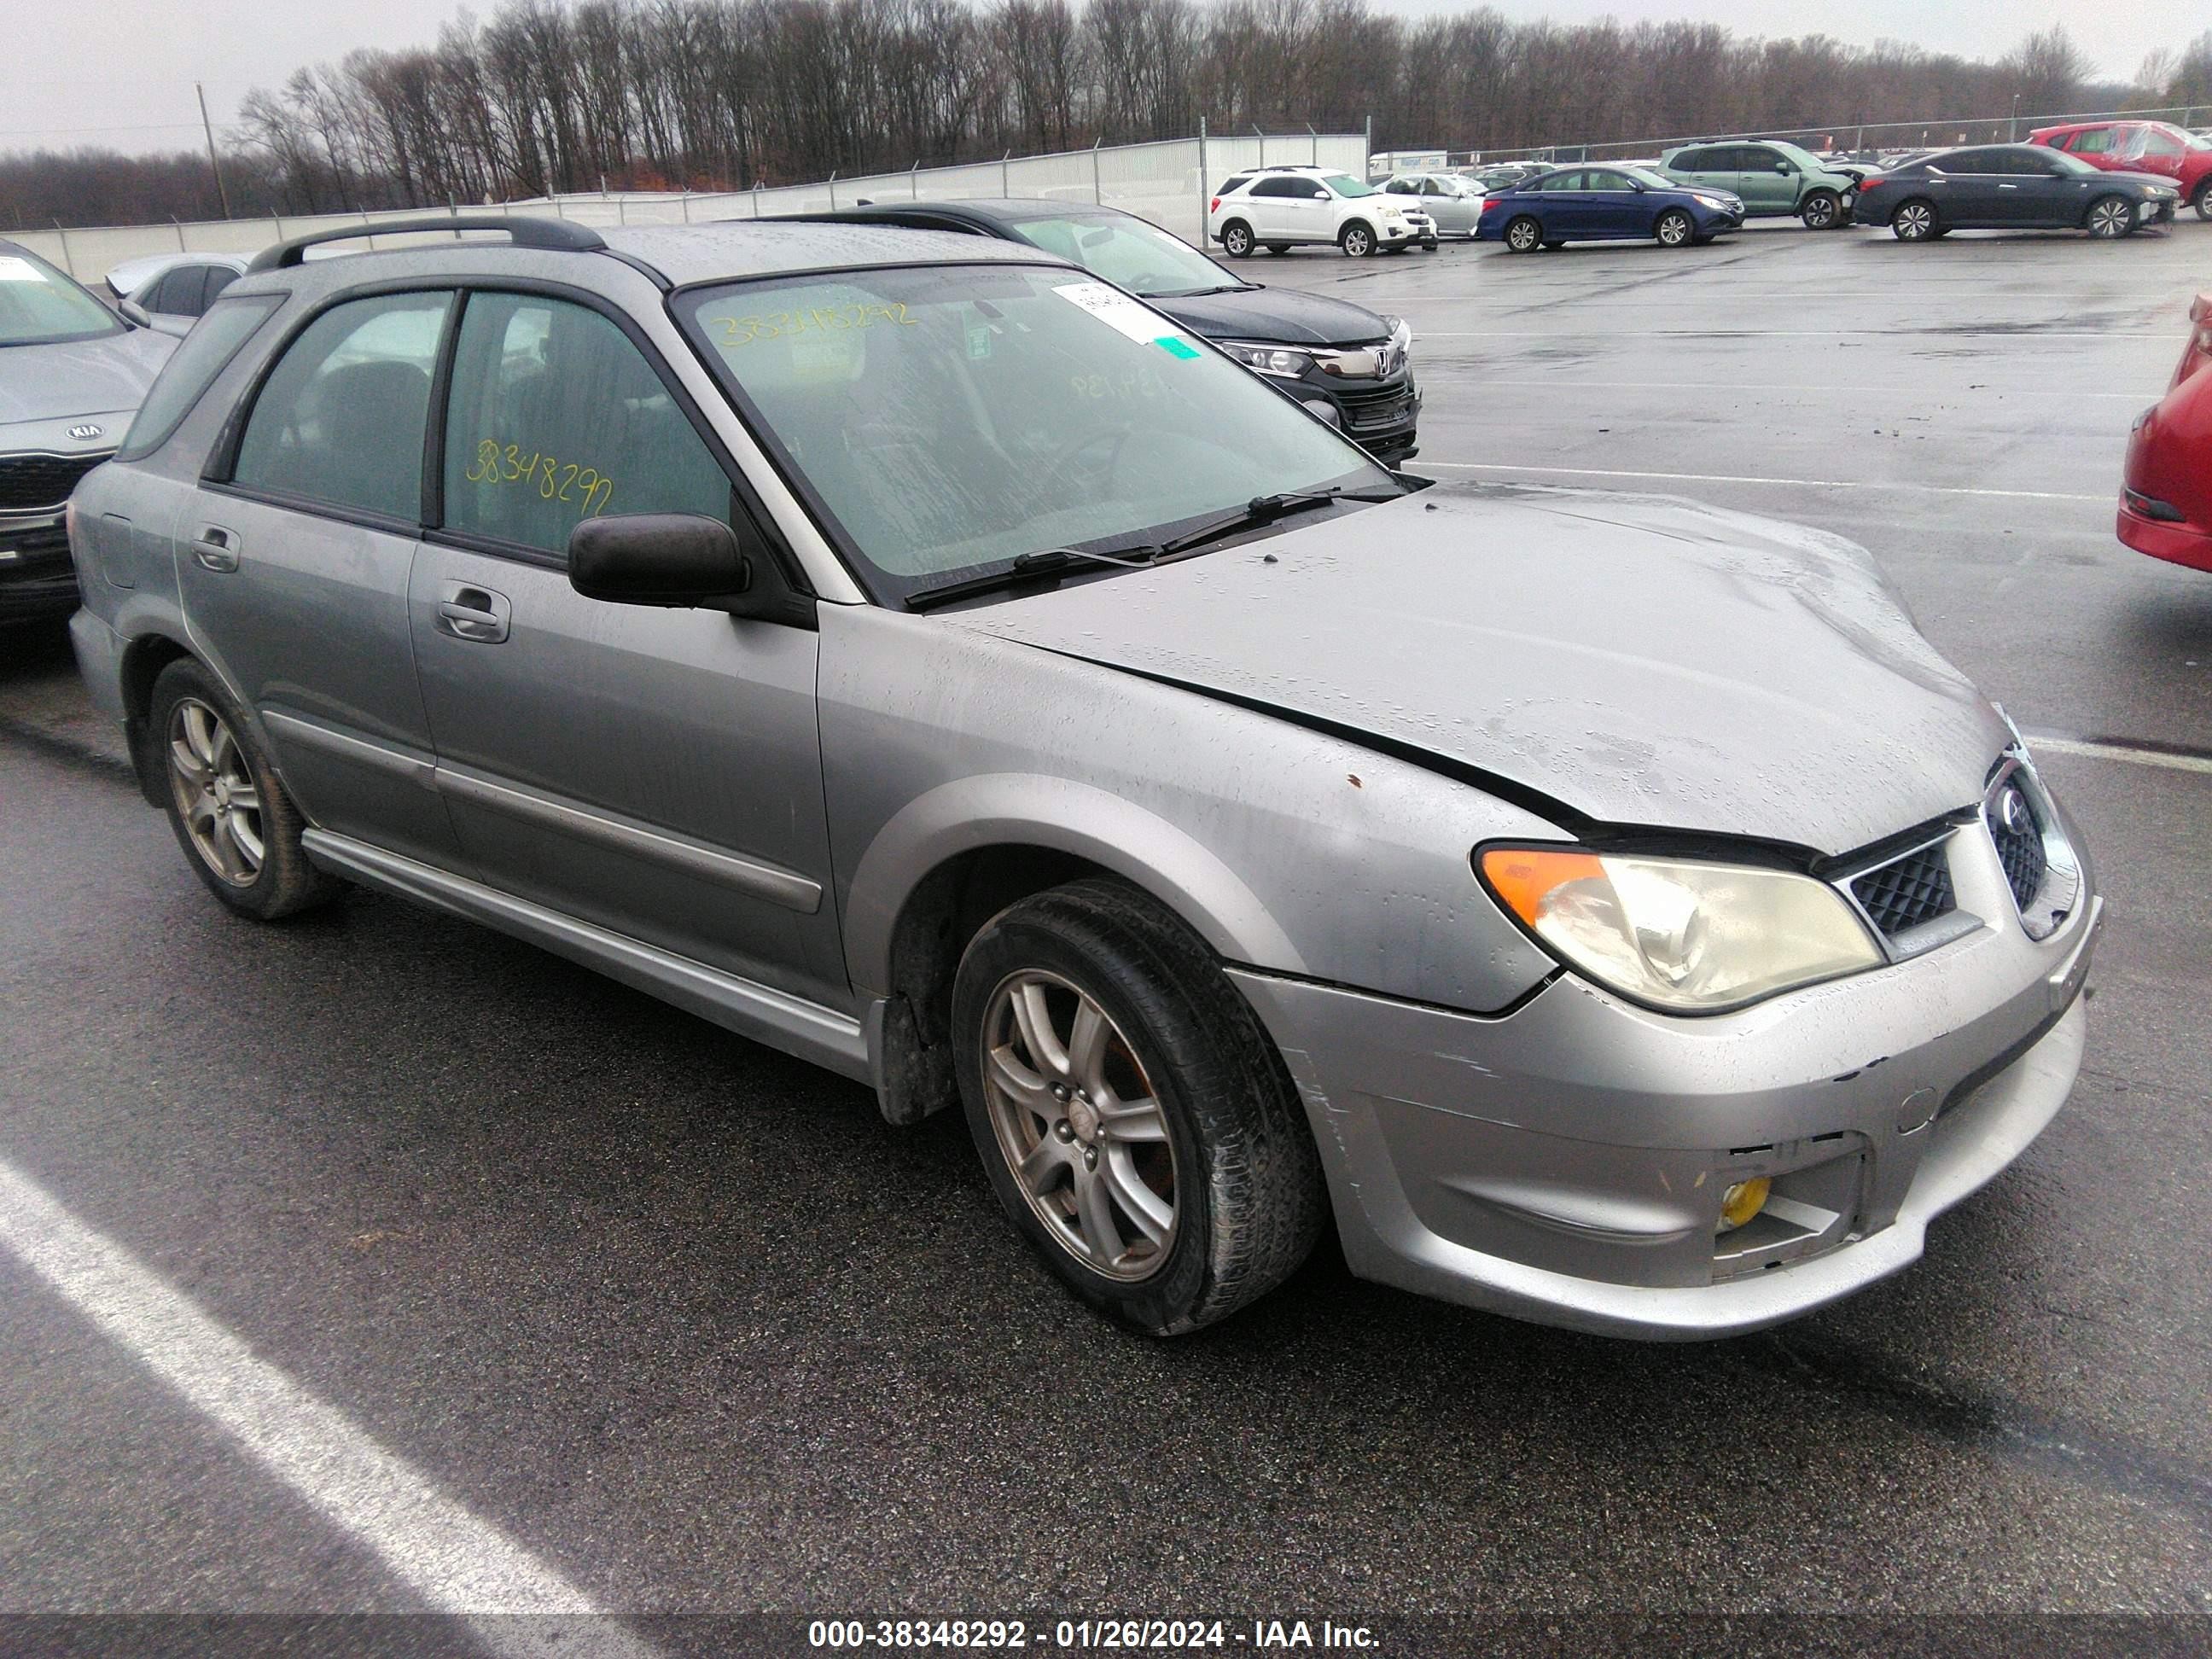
(71, 376)
(912, 653)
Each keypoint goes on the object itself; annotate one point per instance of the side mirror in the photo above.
(135, 313)
(678, 560)
(1784, 167)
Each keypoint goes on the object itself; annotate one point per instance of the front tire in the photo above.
(240, 830)
(2110, 218)
(1357, 240)
(1135, 1119)
(1675, 229)
(1236, 240)
(2201, 201)
(1914, 220)
(1524, 235)
(1821, 210)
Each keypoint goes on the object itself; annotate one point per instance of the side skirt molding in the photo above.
(807, 1029)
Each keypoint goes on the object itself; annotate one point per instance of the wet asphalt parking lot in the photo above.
(683, 1324)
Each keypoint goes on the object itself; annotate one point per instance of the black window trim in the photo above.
(275, 299)
(743, 498)
(217, 474)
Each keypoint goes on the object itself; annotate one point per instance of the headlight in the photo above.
(1681, 935)
(1271, 360)
(1714, 201)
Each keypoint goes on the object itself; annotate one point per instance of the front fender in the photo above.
(1033, 810)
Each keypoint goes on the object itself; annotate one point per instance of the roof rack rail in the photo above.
(525, 230)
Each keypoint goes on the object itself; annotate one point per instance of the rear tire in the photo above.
(1524, 235)
(1135, 1119)
(1357, 240)
(1913, 221)
(1675, 229)
(2110, 218)
(1822, 210)
(240, 830)
(1236, 240)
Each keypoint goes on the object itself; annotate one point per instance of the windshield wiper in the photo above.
(1050, 561)
(1201, 293)
(1266, 509)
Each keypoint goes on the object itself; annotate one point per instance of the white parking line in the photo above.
(1737, 478)
(456, 1562)
(2119, 751)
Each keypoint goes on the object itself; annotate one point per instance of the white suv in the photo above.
(1280, 207)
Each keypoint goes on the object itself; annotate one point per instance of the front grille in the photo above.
(2011, 819)
(34, 483)
(1371, 411)
(42, 545)
(1909, 892)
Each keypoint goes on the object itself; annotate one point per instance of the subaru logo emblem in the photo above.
(2013, 816)
(84, 429)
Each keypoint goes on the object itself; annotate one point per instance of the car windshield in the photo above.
(1659, 180)
(1345, 184)
(1127, 252)
(38, 306)
(954, 418)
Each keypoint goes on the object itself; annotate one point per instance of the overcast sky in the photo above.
(120, 72)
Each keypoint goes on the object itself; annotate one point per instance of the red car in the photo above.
(2141, 147)
(2165, 506)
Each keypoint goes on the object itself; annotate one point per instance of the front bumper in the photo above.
(2176, 544)
(37, 576)
(1565, 1162)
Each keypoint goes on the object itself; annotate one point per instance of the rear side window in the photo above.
(1694, 161)
(340, 420)
(1301, 188)
(206, 352)
(2097, 141)
(2157, 142)
(557, 417)
(1238, 183)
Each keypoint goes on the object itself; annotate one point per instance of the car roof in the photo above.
(728, 250)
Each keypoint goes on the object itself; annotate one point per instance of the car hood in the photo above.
(80, 377)
(1639, 660)
(1276, 315)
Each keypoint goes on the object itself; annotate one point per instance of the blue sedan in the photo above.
(1605, 204)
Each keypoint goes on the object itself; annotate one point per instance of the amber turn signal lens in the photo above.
(1522, 876)
(1742, 1201)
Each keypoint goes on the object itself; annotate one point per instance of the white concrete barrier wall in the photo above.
(1167, 183)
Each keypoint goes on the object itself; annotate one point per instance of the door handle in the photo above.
(216, 547)
(472, 613)
(2008, 186)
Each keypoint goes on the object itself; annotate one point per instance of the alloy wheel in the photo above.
(1914, 221)
(1521, 235)
(1358, 242)
(1675, 229)
(1820, 212)
(2111, 217)
(215, 794)
(1237, 241)
(1079, 1125)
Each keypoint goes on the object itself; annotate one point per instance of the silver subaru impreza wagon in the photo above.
(909, 652)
